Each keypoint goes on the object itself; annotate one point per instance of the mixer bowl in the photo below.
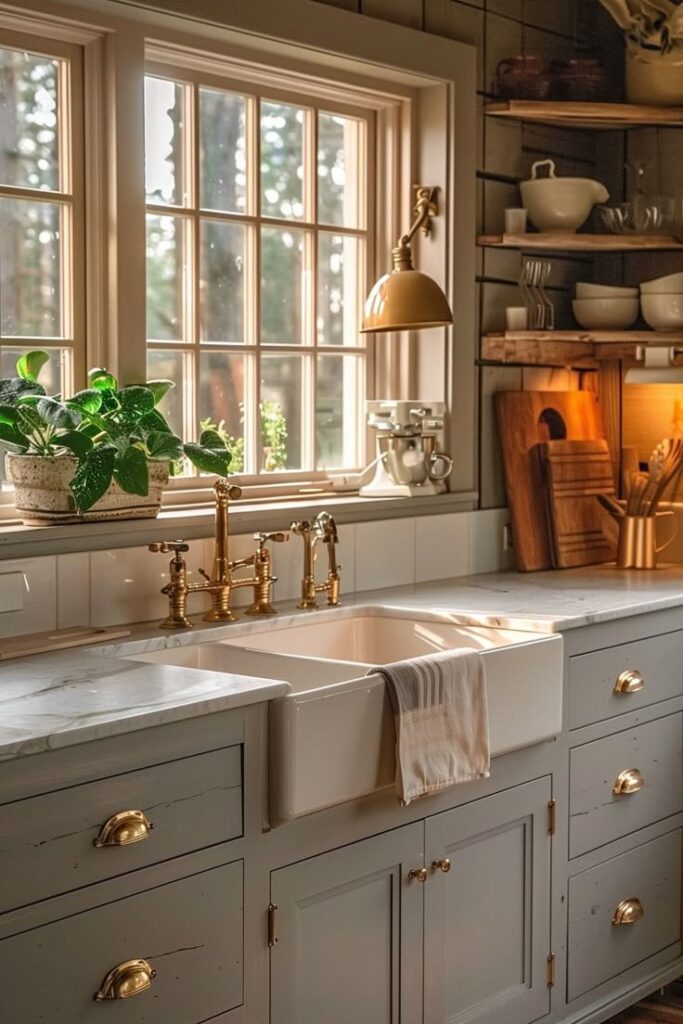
(412, 460)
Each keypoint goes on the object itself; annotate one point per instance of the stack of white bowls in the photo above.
(605, 307)
(661, 301)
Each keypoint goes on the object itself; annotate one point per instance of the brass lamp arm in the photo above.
(426, 207)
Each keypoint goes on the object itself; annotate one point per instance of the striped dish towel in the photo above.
(441, 718)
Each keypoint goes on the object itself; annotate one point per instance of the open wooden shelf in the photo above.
(564, 113)
(578, 349)
(552, 240)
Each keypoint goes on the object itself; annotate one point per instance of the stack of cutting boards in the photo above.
(556, 461)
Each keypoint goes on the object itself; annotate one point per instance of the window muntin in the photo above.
(257, 249)
(41, 208)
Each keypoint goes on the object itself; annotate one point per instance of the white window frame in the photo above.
(423, 89)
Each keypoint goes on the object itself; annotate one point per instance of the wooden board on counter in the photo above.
(527, 420)
(57, 640)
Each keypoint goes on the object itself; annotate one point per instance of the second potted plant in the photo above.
(105, 453)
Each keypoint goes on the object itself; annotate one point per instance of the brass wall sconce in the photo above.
(406, 299)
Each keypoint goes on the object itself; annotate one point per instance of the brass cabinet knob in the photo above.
(442, 865)
(124, 828)
(418, 874)
(628, 912)
(628, 781)
(127, 979)
(629, 681)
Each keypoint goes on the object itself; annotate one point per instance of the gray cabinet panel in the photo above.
(659, 659)
(487, 920)
(598, 949)
(597, 814)
(349, 927)
(46, 842)
(190, 931)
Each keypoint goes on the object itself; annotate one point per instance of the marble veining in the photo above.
(57, 700)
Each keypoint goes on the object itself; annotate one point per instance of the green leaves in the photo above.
(161, 445)
(12, 388)
(159, 388)
(209, 459)
(93, 476)
(57, 414)
(136, 401)
(13, 439)
(102, 380)
(30, 365)
(89, 400)
(130, 471)
(78, 443)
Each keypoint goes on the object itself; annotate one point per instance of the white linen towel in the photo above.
(441, 717)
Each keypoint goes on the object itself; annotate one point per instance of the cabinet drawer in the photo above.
(652, 754)
(189, 932)
(658, 660)
(47, 842)
(599, 949)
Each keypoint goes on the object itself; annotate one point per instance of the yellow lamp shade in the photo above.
(405, 300)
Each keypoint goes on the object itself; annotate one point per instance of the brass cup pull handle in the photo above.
(630, 681)
(628, 781)
(628, 912)
(418, 874)
(124, 828)
(442, 865)
(125, 980)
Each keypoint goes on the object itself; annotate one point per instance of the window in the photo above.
(41, 208)
(257, 247)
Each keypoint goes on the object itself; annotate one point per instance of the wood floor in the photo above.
(660, 1008)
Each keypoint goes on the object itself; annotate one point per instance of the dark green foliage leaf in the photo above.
(102, 380)
(211, 439)
(30, 364)
(12, 438)
(93, 477)
(154, 420)
(159, 388)
(209, 460)
(12, 388)
(161, 445)
(57, 414)
(76, 441)
(8, 414)
(136, 401)
(130, 471)
(29, 419)
(89, 400)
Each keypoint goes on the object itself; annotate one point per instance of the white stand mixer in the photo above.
(408, 462)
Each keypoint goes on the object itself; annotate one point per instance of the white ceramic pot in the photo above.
(42, 496)
(586, 290)
(668, 284)
(560, 204)
(663, 312)
(606, 314)
(653, 77)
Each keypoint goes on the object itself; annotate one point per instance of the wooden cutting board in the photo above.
(582, 532)
(526, 420)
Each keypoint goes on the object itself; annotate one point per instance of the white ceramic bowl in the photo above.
(663, 312)
(663, 285)
(561, 204)
(606, 313)
(604, 291)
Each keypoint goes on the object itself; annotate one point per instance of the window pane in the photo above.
(52, 375)
(338, 411)
(221, 400)
(340, 273)
(282, 286)
(30, 269)
(339, 170)
(281, 412)
(163, 365)
(221, 282)
(164, 141)
(29, 150)
(222, 151)
(165, 259)
(282, 164)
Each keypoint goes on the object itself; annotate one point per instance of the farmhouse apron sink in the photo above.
(332, 737)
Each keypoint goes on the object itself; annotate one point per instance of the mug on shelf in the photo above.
(523, 78)
(637, 547)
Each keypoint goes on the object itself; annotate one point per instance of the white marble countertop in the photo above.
(69, 697)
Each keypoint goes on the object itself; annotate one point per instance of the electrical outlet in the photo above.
(508, 539)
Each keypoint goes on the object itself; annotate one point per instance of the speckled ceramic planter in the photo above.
(42, 495)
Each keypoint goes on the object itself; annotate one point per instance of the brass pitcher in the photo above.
(637, 547)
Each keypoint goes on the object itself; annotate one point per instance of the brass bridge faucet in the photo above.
(322, 528)
(221, 583)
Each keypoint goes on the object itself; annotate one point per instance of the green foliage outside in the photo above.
(273, 438)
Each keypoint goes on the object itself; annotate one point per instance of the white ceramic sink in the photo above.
(332, 738)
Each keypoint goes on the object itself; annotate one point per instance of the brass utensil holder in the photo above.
(637, 547)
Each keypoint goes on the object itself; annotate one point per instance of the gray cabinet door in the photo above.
(487, 920)
(349, 934)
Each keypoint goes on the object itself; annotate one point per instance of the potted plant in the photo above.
(104, 453)
(653, 31)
